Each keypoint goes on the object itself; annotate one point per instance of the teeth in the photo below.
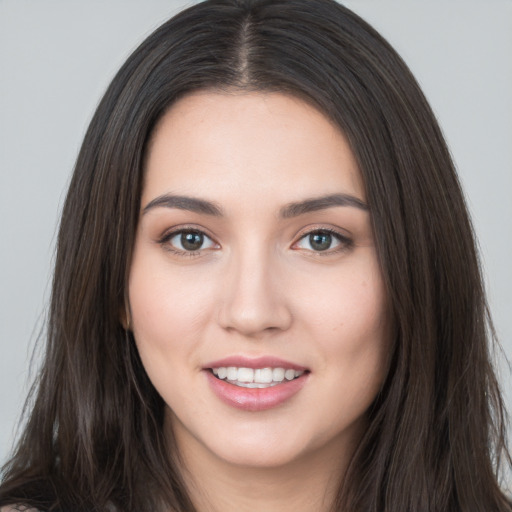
(278, 374)
(263, 375)
(245, 375)
(255, 378)
(289, 374)
(254, 384)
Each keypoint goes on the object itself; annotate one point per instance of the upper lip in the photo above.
(255, 362)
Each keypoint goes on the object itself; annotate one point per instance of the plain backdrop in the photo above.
(57, 57)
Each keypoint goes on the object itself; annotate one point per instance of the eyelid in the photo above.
(169, 234)
(345, 241)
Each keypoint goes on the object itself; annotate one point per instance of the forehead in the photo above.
(248, 145)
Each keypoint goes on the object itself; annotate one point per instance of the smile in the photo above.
(255, 377)
(255, 384)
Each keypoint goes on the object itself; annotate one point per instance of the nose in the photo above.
(254, 299)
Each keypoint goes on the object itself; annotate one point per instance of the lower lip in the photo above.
(255, 399)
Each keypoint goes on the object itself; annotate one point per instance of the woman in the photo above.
(258, 300)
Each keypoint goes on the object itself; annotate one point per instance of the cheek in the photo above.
(169, 308)
(351, 300)
(348, 319)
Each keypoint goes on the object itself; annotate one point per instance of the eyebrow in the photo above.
(191, 204)
(202, 206)
(321, 203)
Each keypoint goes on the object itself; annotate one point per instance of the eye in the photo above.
(323, 240)
(188, 241)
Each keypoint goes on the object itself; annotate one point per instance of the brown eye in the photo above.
(188, 241)
(320, 241)
(192, 240)
(323, 240)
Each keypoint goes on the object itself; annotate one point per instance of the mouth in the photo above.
(255, 378)
(255, 384)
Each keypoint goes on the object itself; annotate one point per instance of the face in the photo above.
(255, 295)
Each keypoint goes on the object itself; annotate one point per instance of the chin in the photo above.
(257, 457)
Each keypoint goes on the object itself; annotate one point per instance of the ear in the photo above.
(125, 317)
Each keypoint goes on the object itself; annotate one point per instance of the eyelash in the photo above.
(165, 240)
(345, 243)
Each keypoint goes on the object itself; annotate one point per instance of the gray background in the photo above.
(57, 57)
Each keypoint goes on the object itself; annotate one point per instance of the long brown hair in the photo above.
(93, 439)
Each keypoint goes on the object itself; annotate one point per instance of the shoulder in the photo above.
(17, 508)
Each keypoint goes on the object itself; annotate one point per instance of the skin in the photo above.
(258, 287)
